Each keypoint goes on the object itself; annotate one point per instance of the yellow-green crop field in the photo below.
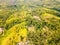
(29, 25)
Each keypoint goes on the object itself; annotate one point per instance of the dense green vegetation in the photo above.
(37, 24)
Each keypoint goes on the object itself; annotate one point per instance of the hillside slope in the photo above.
(39, 26)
